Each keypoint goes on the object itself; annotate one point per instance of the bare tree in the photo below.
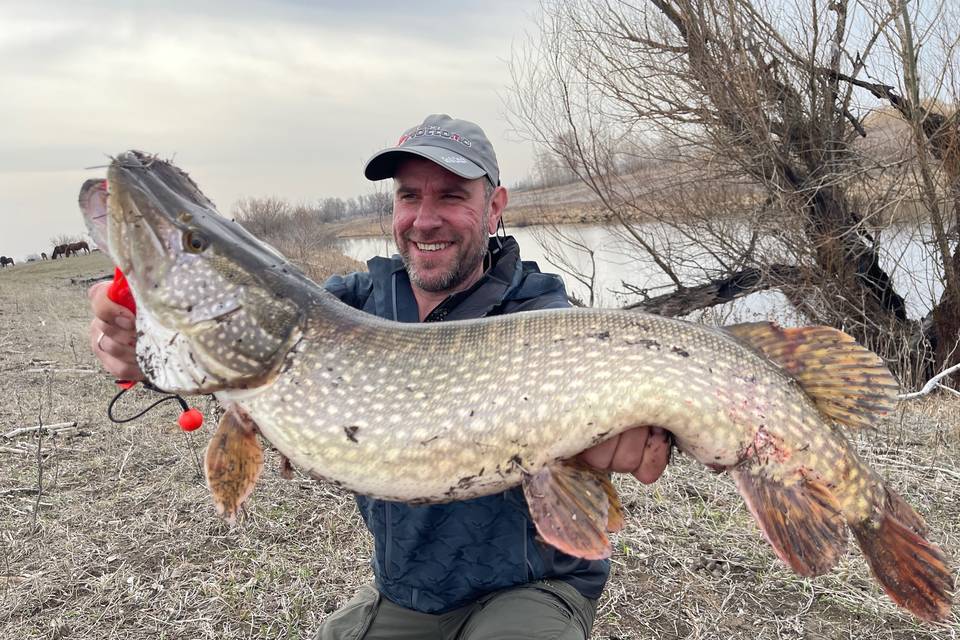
(569, 252)
(298, 231)
(305, 233)
(769, 182)
(65, 238)
(263, 217)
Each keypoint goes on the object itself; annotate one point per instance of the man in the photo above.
(469, 569)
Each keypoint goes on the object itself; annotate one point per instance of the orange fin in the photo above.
(614, 508)
(848, 383)
(233, 463)
(801, 521)
(912, 571)
(573, 505)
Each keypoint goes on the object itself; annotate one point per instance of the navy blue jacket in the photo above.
(434, 558)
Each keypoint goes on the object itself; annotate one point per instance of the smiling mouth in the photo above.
(431, 246)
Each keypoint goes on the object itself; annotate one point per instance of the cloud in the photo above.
(285, 98)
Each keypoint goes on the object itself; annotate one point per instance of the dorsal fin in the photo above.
(848, 383)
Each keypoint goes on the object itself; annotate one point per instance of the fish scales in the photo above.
(447, 411)
(610, 372)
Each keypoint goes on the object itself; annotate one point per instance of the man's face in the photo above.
(440, 224)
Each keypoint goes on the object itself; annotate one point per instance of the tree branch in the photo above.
(737, 285)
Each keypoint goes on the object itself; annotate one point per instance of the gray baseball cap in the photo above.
(458, 146)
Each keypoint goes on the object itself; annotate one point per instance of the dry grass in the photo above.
(121, 541)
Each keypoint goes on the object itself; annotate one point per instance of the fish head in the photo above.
(216, 307)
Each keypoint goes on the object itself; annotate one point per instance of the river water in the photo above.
(905, 255)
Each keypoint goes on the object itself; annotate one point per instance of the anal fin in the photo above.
(233, 462)
(573, 506)
(802, 520)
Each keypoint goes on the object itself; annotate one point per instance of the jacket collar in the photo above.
(398, 302)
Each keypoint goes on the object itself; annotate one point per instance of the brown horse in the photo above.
(75, 247)
(69, 249)
(43, 255)
(4, 261)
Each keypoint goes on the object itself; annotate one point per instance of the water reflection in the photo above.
(906, 257)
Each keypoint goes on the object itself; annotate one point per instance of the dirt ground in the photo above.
(107, 531)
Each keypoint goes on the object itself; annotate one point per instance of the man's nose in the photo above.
(427, 215)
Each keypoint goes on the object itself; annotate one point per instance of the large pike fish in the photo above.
(447, 411)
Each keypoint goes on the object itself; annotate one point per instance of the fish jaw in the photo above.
(141, 236)
(93, 205)
(206, 318)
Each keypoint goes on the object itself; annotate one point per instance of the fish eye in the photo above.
(195, 242)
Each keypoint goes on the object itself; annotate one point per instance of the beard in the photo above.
(469, 256)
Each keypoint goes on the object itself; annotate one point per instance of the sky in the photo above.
(284, 98)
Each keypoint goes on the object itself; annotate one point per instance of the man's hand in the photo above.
(113, 335)
(641, 451)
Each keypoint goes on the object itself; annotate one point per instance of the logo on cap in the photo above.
(434, 131)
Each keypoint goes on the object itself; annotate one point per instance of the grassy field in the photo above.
(107, 531)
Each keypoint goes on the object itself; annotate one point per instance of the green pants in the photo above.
(539, 610)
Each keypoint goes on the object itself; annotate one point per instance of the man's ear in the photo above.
(498, 202)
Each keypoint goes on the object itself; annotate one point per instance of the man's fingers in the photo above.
(107, 310)
(631, 445)
(121, 369)
(120, 349)
(600, 455)
(656, 454)
(98, 327)
(622, 453)
(641, 451)
(115, 349)
(95, 289)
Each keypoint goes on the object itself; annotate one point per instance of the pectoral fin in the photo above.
(233, 463)
(573, 506)
(848, 383)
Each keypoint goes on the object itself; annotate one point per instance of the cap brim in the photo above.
(384, 164)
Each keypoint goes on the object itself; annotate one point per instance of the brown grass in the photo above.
(120, 540)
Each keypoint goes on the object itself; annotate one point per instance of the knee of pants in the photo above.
(543, 609)
(352, 620)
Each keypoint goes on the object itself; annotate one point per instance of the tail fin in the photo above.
(912, 570)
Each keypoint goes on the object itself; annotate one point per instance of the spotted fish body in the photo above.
(434, 412)
(448, 411)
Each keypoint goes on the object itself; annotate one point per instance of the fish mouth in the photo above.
(216, 307)
(93, 204)
(149, 204)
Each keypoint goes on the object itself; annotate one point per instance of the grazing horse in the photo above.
(43, 255)
(69, 249)
(4, 261)
(75, 247)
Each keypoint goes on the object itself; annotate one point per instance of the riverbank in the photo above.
(107, 530)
